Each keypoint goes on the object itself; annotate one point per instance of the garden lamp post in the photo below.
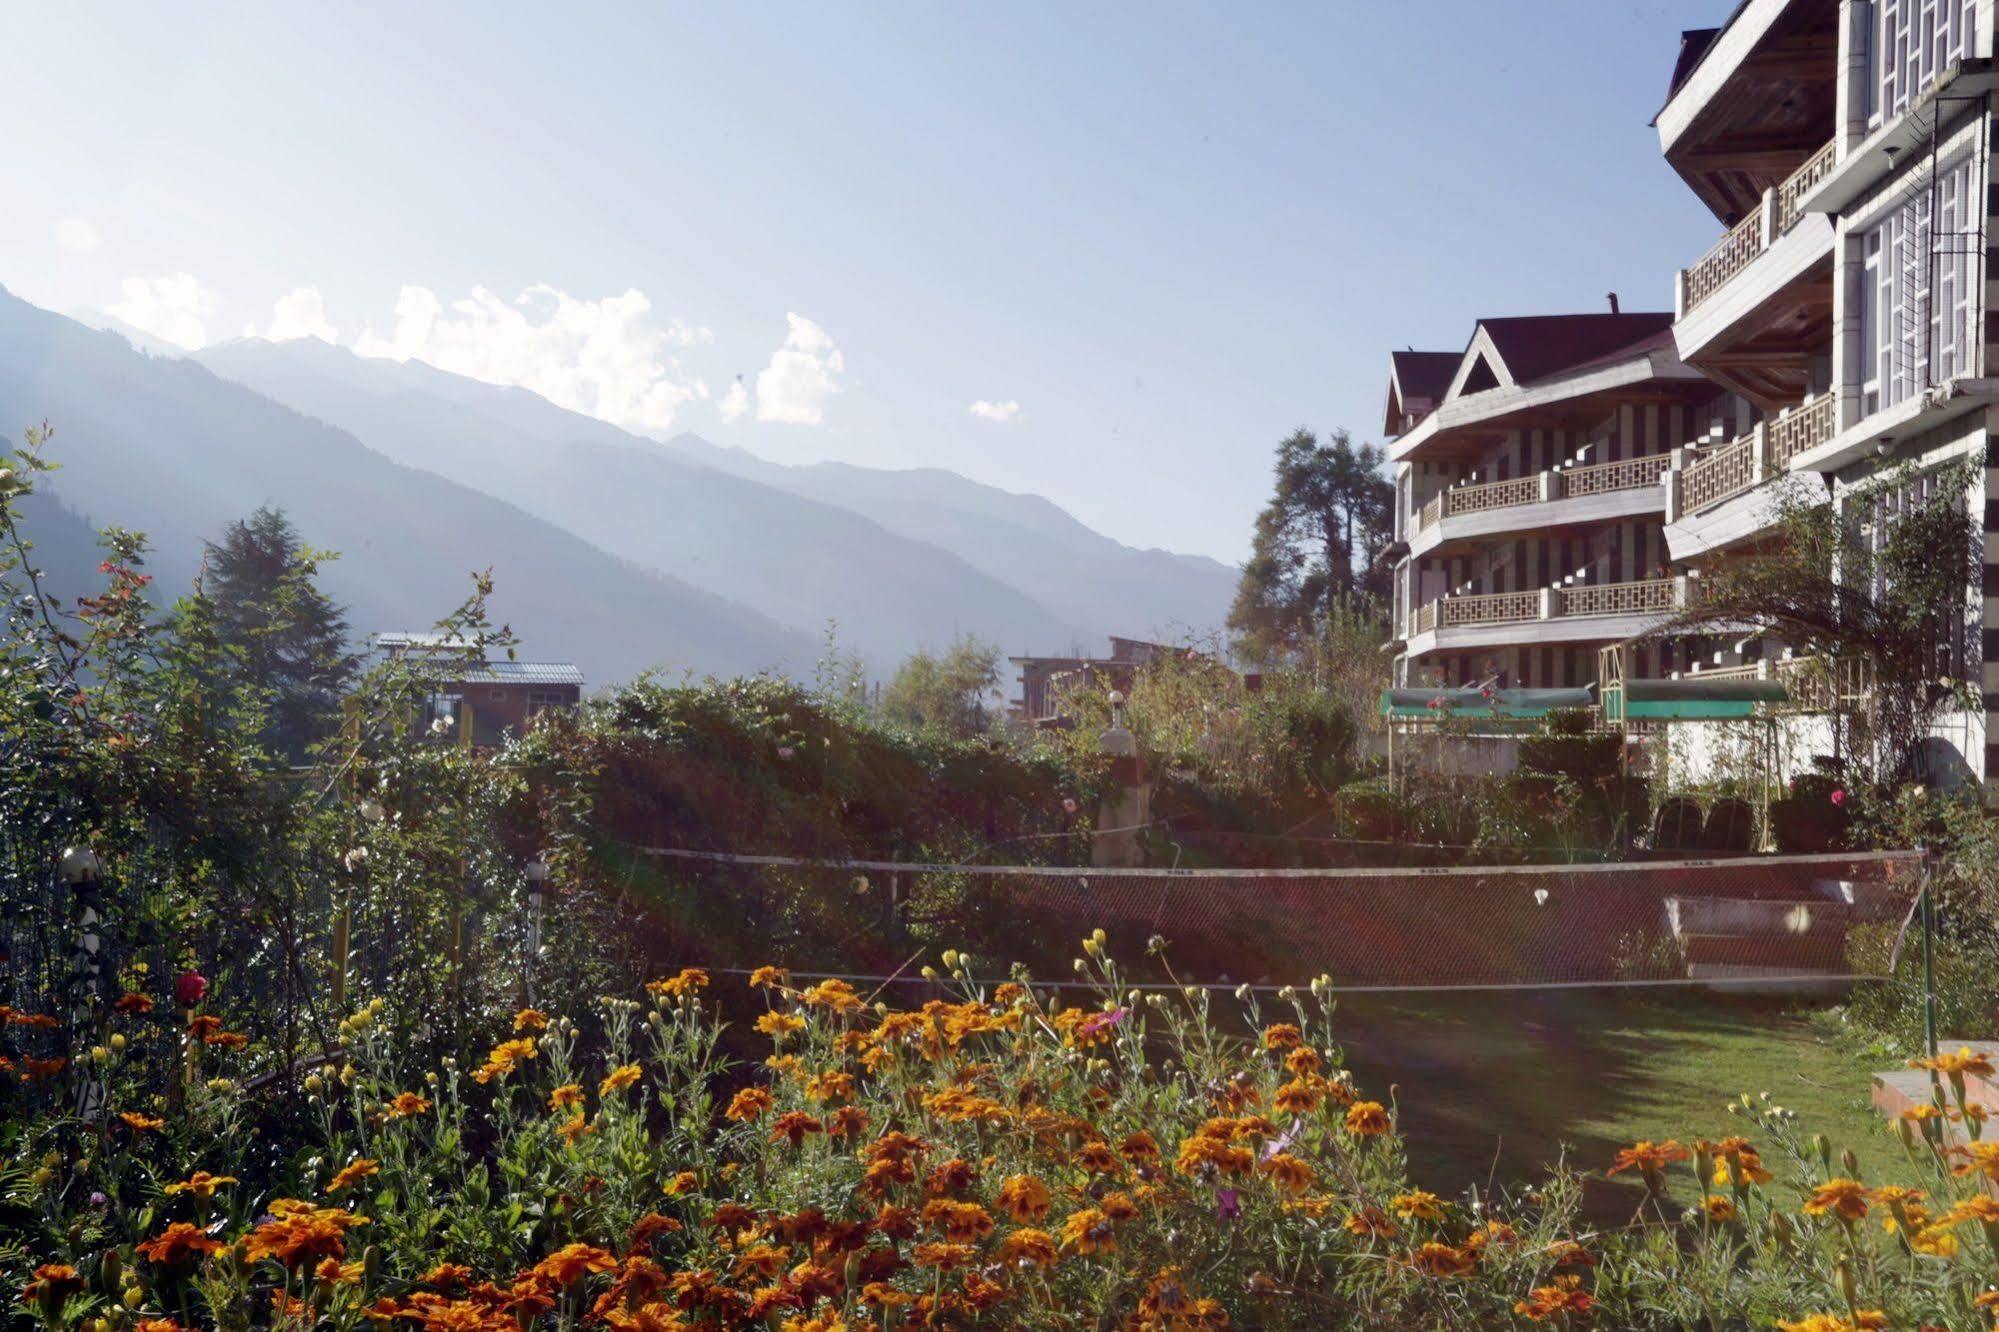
(82, 874)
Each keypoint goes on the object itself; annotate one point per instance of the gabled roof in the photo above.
(1694, 43)
(516, 673)
(1528, 348)
(1417, 381)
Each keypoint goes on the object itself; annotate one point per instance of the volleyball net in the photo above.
(1755, 921)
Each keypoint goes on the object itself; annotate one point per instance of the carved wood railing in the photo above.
(1639, 598)
(1602, 478)
(1723, 473)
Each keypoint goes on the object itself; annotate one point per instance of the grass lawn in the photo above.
(1494, 1086)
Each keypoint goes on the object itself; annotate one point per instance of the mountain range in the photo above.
(608, 548)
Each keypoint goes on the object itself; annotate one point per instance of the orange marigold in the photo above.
(408, 1105)
(179, 1244)
(353, 1173)
(572, 1262)
(750, 1103)
(1024, 1198)
(619, 1078)
(1845, 1198)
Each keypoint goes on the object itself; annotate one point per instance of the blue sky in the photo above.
(1110, 253)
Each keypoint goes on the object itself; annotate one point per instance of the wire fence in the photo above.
(1754, 921)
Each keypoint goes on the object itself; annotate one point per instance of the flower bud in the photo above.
(950, 959)
(118, 1041)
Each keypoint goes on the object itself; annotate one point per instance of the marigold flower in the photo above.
(178, 1245)
(1089, 1231)
(1865, 1320)
(446, 1276)
(1370, 1223)
(1282, 1036)
(505, 1058)
(1959, 1064)
(1936, 1241)
(1096, 1157)
(299, 1233)
(407, 1105)
(778, 1025)
(1303, 1061)
(849, 1121)
(572, 1262)
(835, 994)
(1300, 1096)
(959, 1222)
(201, 1184)
(1979, 1158)
(1980, 1207)
(1367, 1119)
(618, 1079)
(1564, 1297)
(52, 1282)
(1023, 1198)
(1028, 1247)
(1442, 1260)
(1719, 1209)
(566, 1097)
(748, 1104)
(1418, 1205)
(768, 977)
(1140, 1147)
(135, 1002)
(1736, 1163)
(793, 1125)
(353, 1173)
(336, 1273)
(575, 1127)
(1845, 1198)
(684, 1182)
(530, 1019)
(943, 1256)
(37, 1070)
(1290, 1173)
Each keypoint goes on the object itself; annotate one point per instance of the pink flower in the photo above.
(190, 988)
(1069, 805)
(1101, 1022)
(1839, 797)
(784, 752)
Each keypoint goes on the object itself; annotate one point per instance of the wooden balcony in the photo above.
(1648, 597)
(1545, 487)
(1754, 234)
(1719, 474)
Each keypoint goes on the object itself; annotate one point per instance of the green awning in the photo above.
(1695, 699)
(1475, 703)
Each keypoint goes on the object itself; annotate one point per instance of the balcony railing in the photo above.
(1597, 479)
(1651, 596)
(1723, 473)
(1754, 233)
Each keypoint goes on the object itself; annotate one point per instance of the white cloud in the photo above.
(169, 308)
(735, 402)
(999, 413)
(801, 376)
(78, 235)
(607, 358)
(302, 314)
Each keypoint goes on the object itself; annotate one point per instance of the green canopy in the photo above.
(1695, 699)
(1476, 703)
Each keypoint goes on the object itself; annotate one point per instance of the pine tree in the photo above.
(1318, 545)
(290, 637)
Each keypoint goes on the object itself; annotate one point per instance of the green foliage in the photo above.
(945, 691)
(1316, 554)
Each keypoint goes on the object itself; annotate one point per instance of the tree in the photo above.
(947, 692)
(292, 639)
(1318, 542)
(1880, 580)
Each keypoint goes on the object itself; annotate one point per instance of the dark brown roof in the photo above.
(1694, 43)
(1424, 374)
(1537, 346)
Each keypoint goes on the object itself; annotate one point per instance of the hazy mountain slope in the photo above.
(801, 560)
(167, 447)
(1028, 540)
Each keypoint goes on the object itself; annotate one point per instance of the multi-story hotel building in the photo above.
(1563, 482)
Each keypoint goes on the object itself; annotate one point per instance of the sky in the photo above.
(1108, 253)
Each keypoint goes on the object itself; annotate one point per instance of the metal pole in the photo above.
(1929, 977)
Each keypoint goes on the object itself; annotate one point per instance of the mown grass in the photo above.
(1498, 1086)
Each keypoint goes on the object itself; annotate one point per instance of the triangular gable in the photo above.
(1417, 382)
(1482, 368)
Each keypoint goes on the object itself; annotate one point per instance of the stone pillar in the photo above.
(1127, 805)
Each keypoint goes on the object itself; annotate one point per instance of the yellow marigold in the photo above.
(1024, 1198)
(1282, 1036)
(336, 1273)
(407, 1105)
(1289, 1173)
(619, 1078)
(768, 977)
(1866, 1320)
(353, 1173)
(1936, 1241)
(1027, 1247)
(832, 1085)
(835, 994)
(1980, 1207)
(530, 1019)
(1918, 1114)
(684, 1182)
(202, 1184)
(1089, 1231)
(505, 1058)
(1442, 1260)
(690, 981)
(566, 1097)
(1719, 1209)
(1961, 1063)
(749, 1103)
(1736, 1163)
(1367, 1119)
(139, 1123)
(1370, 1223)
(1980, 1158)
(1419, 1205)
(778, 1025)
(1845, 1198)
(572, 1262)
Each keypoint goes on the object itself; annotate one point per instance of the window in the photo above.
(1911, 42)
(1919, 289)
(1951, 631)
(541, 700)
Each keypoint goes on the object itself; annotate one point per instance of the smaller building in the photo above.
(493, 698)
(1043, 680)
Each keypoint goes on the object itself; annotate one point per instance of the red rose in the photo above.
(189, 989)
